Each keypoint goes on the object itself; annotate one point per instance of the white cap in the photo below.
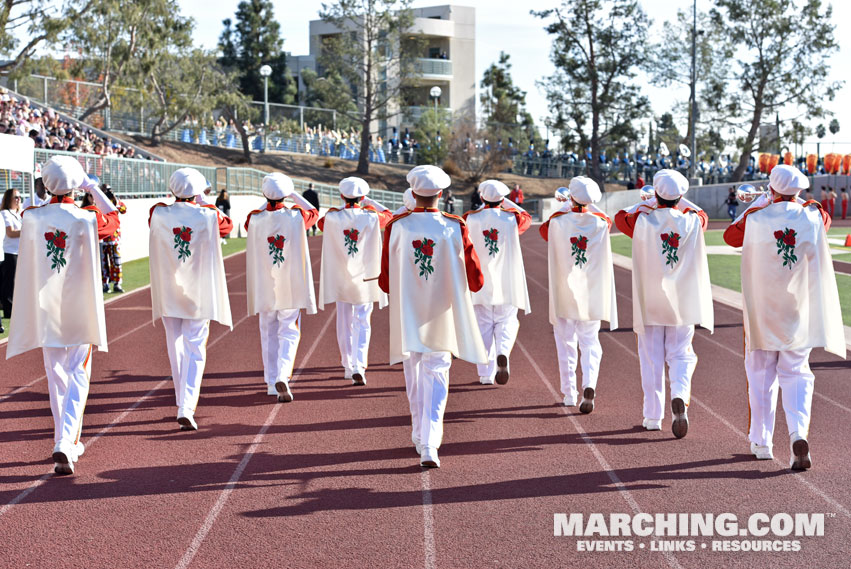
(493, 190)
(584, 190)
(670, 184)
(62, 174)
(353, 187)
(185, 183)
(277, 186)
(787, 180)
(409, 200)
(428, 180)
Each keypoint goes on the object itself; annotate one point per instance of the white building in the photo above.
(448, 61)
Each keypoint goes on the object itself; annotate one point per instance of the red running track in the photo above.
(331, 479)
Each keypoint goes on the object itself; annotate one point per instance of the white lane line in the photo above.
(604, 464)
(428, 523)
(214, 512)
(798, 476)
(113, 341)
(34, 485)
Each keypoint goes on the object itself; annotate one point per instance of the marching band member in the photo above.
(279, 278)
(495, 232)
(351, 254)
(409, 203)
(791, 305)
(671, 293)
(428, 267)
(581, 286)
(188, 284)
(58, 298)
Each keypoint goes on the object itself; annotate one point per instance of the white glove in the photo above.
(300, 201)
(373, 203)
(102, 202)
(88, 185)
(203, 199)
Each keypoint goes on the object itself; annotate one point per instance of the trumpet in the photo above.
(647, 192)
(746, 193)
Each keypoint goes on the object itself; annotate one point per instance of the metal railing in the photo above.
(131, 178)
(248, 181)
(427, 66)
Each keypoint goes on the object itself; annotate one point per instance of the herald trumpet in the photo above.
(647, 192)
(746, 193)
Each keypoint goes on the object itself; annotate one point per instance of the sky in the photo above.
(507, 25)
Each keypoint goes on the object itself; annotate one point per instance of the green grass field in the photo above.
(135, 274)
(725, 270)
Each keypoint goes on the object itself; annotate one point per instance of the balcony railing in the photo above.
(441, 67)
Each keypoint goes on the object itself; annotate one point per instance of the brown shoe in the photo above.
(680, 424)
(358, 379)
(801, 455)
(587, 404)
(501, 369)
(284, 393)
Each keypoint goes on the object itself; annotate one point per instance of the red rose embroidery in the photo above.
(492, 241)
(56, 249)
(182, 237)
(350, 239)
(578, 245)
(423, 251)
(786, 246)
(670, 243)
(276, 248)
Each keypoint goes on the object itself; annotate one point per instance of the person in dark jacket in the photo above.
(313, 199)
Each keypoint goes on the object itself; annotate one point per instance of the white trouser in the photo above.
(789, 371)
(658, 345)
(279, 337)
(427, 384)
(187, 352)
(498, 325)
(573, 337)
(68, 371)
(353, 333)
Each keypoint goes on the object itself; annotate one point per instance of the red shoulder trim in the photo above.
(247, 219)
(454, 217)
(151, 213)
(397, 218)
(466, 213)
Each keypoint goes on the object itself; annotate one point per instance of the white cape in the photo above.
(57, 304)
(288, 283)
(581, 290)
(433, 314)
(502, 261)
(669, 291)
(346, 262)
(189, 286)
(791, 306)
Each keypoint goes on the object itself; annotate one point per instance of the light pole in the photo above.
(693, 113)
(265, 71)
(435, 94)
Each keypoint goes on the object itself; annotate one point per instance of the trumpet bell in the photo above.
(647, 192)
(746, 193)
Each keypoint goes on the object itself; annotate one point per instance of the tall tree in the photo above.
(329, 92)
(375, 51)
(503, 106)
(669, 64)
(179, 85)
(781, 53)
(120, 41)
(597, 46)
(251, 41)
(27, 24)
